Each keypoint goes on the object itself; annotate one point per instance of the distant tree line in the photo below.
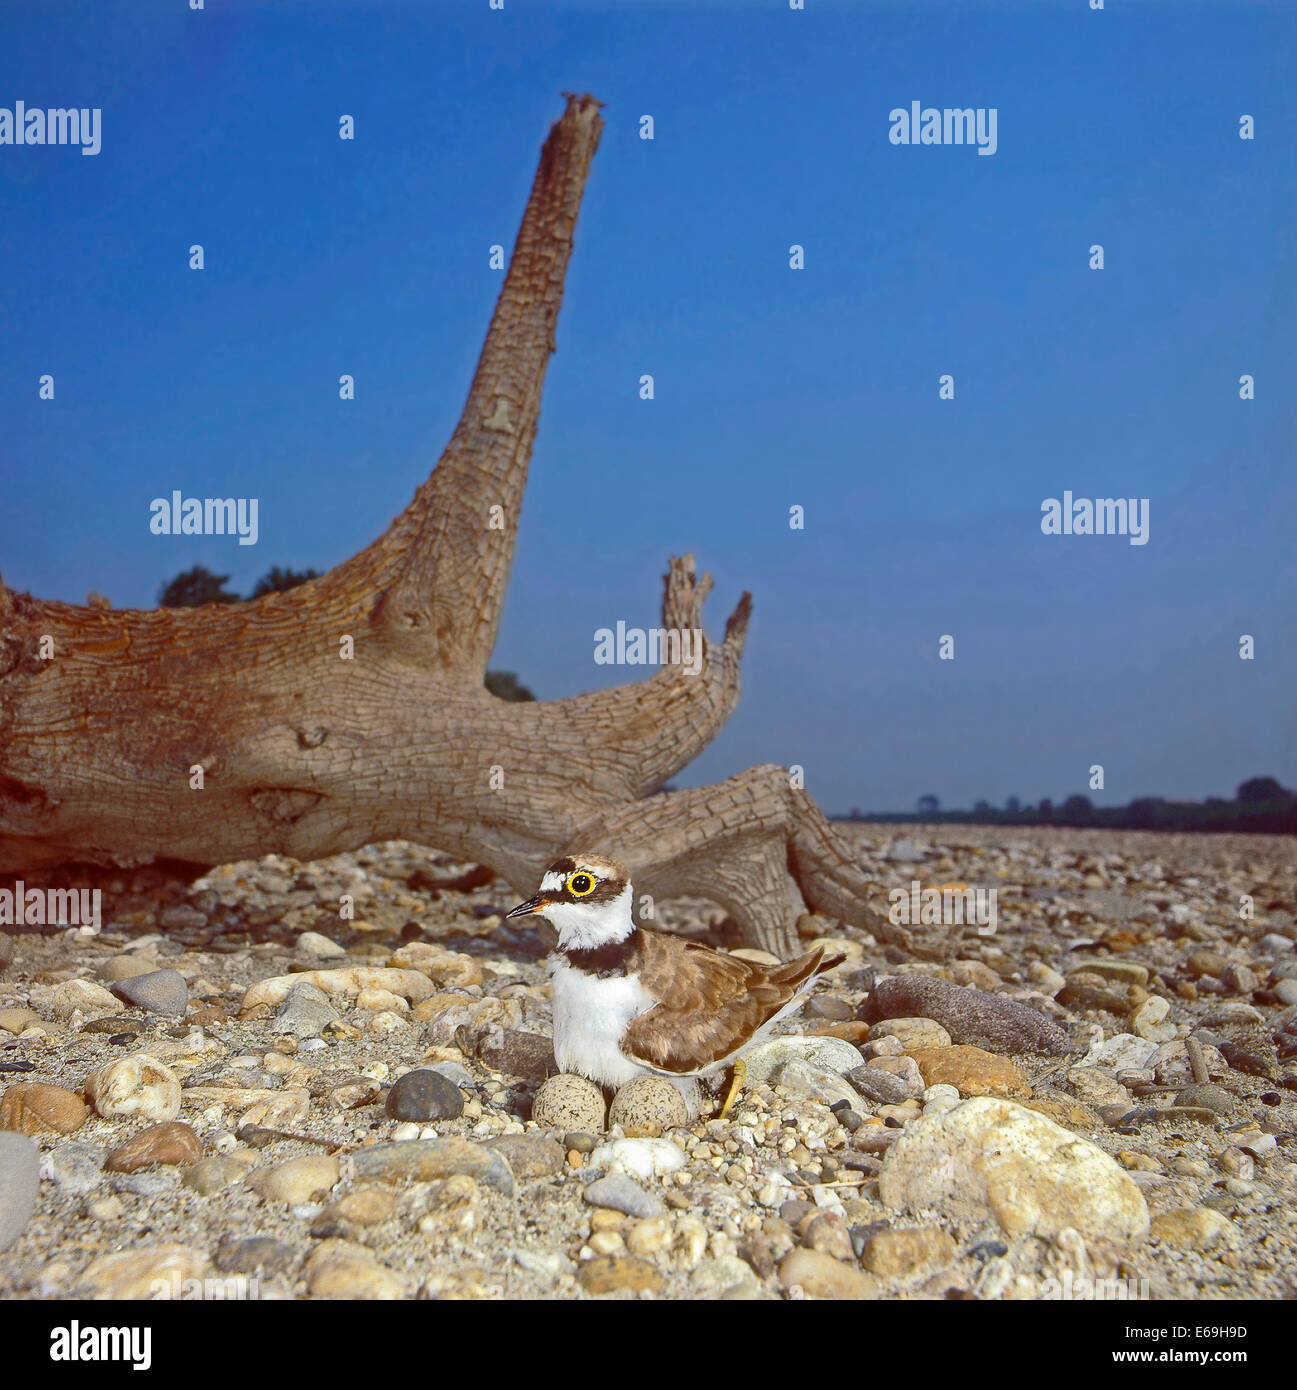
(199, 585)
(1260, 805)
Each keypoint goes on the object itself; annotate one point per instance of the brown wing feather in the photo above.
(710, 1004)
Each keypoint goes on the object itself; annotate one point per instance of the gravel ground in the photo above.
(1096, 1099)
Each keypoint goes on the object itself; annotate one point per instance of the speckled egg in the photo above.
(648, 1105)
(569, 1102)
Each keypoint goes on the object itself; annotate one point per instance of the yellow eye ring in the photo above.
(581, 884)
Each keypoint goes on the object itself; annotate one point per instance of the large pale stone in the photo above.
(135, 1085)
(1031, 1175)
(833, 1054)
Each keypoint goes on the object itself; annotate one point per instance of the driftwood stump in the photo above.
(105, 716)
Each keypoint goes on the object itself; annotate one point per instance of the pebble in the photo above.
(1232, 1011)
(968, 1015)
(802, 1081)
(210, 1175)
(1195, 1228)
(1097, 1087)
(1242, 979)
(260, 1254)
(1149, 1020)
(529, 1155)
(912, 1033)
(135, 1085)
(1286, 990)
(154, 1184)
(639, 1158)
(828, 1006)
(439, 965)
(1127, 972)
(976, 973)
(123, 967)
(426, 1160)
(1237, 1164)
(180, 916)
(1206, 963)
(341, 1269)
(992, 1157)
(83, 995)
(905, 1067)
(854, 1032)
(20, 1181)
(821, 1276)
(380, 1001)
(1086, 991)
(828, 1053)
(724, 1277)
(826, 1232)
(1260, 1145)
(297, 1180)
(424, 1095)
(304, 1012)
(351, 1095)
(74, 1167)
(156, 1271)
(314, 943)
(648, 1105)
(903, 852)
(881, 1087)
(1207, 1097)
(157, 992)
(173, 1143)
(875, 1139)
(939, 1098)
(15, 1020)
(618, 1273)
(902, 1254)
(1046, 979)
(972, 1071)
(366, 1206)
(1122, 1052)
(527, 1056)
(570, 1102)
(455, 1074)
(549, 1264)
(35, 1109)
(618, 1193)
(651, 1235)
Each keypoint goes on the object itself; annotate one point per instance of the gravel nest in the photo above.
(779, 1201)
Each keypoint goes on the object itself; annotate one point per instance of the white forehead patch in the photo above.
(552, 882)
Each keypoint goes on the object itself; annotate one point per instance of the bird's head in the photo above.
(586, 899)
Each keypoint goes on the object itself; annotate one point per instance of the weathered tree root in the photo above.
(207, 735)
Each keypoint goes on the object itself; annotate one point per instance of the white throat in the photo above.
(583, 927)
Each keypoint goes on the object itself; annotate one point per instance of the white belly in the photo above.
(590, 1016)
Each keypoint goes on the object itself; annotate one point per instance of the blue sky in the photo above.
(773, 387)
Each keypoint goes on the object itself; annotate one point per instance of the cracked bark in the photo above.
(308, 755)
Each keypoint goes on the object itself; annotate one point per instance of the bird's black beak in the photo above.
(532, 906)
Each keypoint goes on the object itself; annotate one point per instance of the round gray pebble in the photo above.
(158, 992)
(618, 1193)
(424, 1095)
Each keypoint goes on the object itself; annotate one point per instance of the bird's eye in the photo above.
(580, 885)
